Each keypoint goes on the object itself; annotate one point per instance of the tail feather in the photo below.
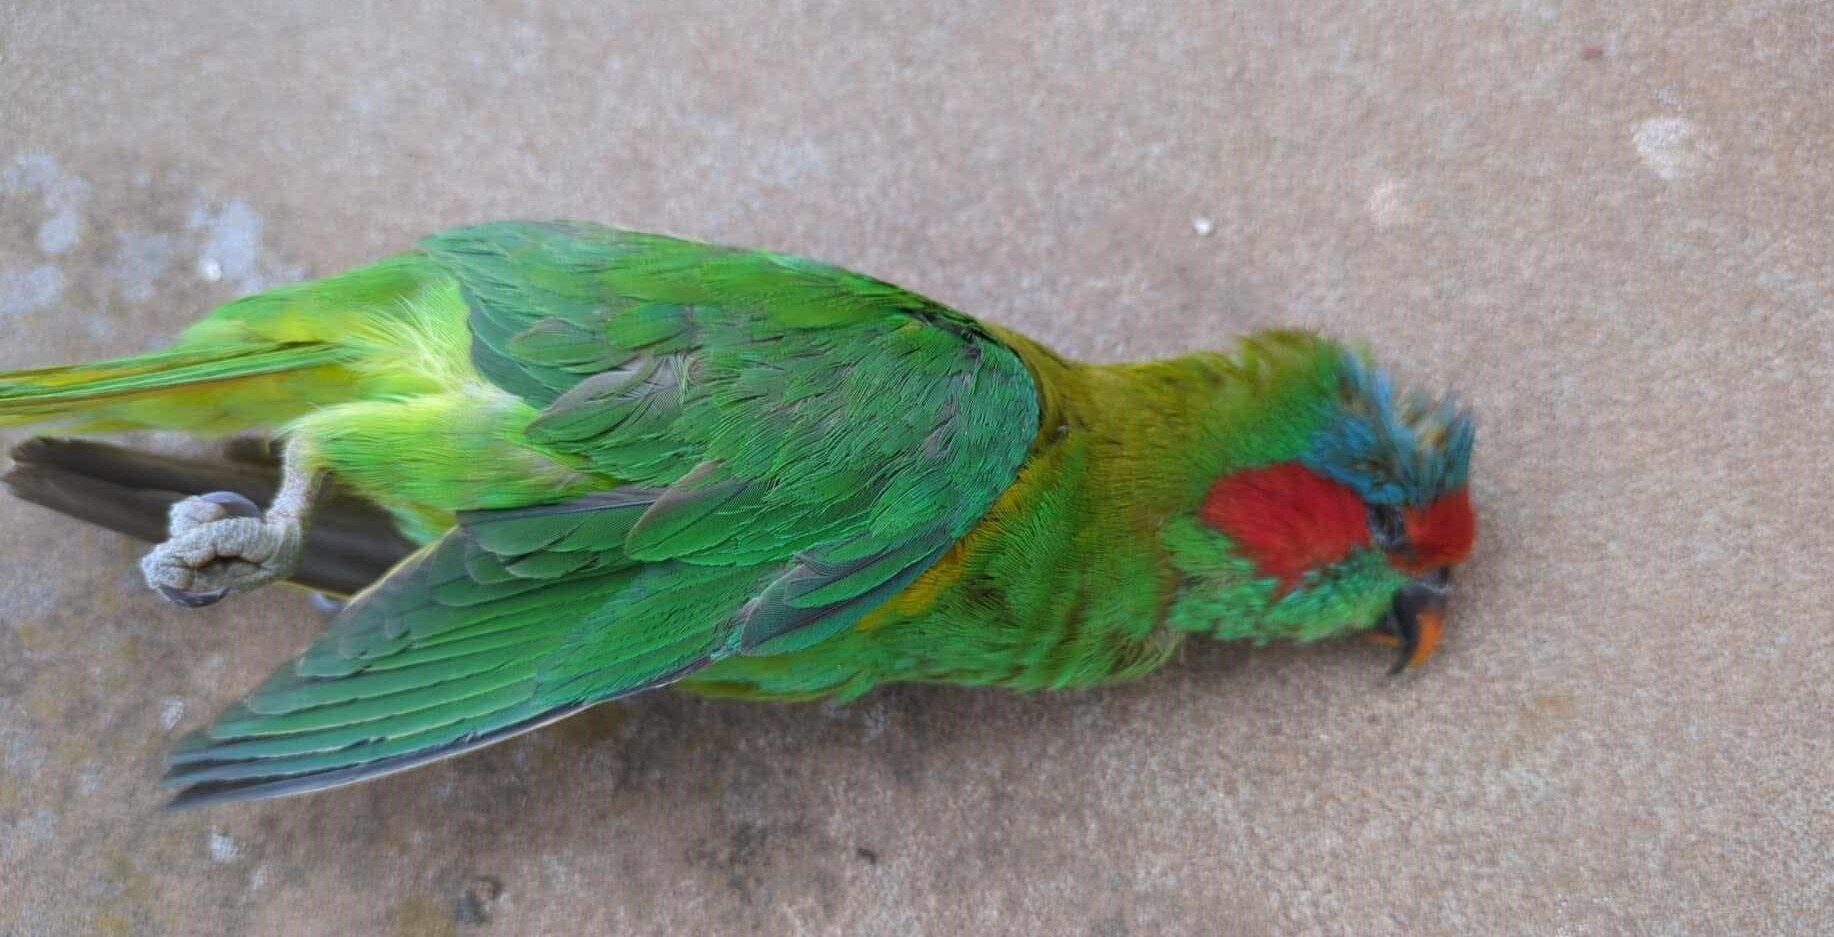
(351, 543)
(175, 389)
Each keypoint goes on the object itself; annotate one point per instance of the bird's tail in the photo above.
(209, 390)
(262, 360)
(351, 542)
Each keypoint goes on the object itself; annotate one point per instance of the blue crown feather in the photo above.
(1394, 449)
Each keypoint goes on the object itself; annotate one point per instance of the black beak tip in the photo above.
(1403, 619)
(1395, 669)
(1407, 636)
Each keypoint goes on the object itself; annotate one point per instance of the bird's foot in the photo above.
(221, 543)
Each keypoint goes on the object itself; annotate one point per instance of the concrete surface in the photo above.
(1606, 224)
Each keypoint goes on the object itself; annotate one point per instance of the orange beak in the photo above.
(1416, 621)
(1429, 625)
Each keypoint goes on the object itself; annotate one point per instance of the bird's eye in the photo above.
(1386, 527)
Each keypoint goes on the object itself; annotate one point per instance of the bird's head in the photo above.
(1354, 524)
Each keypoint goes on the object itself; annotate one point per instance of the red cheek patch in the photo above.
(1441, 534)
(1287, 518)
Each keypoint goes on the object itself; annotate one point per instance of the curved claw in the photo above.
(234, 504)
(190, 599)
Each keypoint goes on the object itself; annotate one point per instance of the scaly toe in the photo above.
(197, 511)
(201, 565)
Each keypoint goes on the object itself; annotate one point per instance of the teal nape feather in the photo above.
(1395, 447)
(632, 461)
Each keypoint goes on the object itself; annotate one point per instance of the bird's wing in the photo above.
(797, 443)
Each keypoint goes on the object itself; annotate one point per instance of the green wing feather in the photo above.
(796, 443)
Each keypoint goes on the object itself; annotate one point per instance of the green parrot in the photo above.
(616, 461)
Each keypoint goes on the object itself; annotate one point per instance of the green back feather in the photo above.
(791, 444)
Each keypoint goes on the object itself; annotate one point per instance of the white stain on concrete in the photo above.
(232, 247)
(22, 755)
(1673, 148)
(139, 261)
(62, 196)
(1203, 226)
(171, 712)
(1389, 205)
(1546, 11)
(211, 673)
(27, 831)
(30, 289)
(232, 243)
(223, 847)
(60, 232)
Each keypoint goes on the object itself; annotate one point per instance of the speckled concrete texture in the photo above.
(1607, 225)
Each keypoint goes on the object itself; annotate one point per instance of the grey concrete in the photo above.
(1606, 224)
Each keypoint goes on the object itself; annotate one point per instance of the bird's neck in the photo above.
(1141, 444)
(1160, 432)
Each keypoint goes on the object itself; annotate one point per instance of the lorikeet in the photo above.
(624, 461)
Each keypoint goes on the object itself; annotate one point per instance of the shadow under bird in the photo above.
(587, 462)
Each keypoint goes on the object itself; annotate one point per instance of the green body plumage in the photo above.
(637, 461)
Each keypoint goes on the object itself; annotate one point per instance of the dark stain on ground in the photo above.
(735, 857)
(744, 854)
(477, 899)
(1109, 927)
